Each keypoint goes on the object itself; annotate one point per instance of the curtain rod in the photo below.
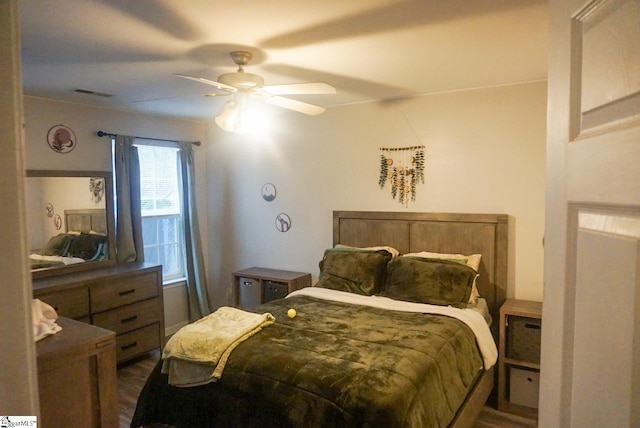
(108, 134)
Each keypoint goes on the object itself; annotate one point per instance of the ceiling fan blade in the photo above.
(295, 105)
(218, 85)
(300, 88)
(146, 100)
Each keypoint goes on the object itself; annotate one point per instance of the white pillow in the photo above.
(393, 251)
(473, 261)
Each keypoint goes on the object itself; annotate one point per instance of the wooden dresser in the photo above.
(77, 379)
(125, 298)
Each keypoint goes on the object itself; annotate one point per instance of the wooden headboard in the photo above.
(86, 220)
(485, 234)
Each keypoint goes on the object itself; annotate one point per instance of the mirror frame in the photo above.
(111, 224)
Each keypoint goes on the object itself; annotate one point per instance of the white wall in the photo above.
(18, 371)
(93, 153)
(485, 153)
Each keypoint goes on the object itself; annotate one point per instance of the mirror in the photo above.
(70, 221)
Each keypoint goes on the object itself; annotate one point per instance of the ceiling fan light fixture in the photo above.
(231, 118)
(227, 118)
(241, 80)
(244, 85)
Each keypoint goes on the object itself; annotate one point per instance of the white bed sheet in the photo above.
(64, 260)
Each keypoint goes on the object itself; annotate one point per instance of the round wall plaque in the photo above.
(61, 139)
(283, 222)
(268, 192)
(57, 221)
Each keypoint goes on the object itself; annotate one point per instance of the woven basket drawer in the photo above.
(275, 290)
(523, 339)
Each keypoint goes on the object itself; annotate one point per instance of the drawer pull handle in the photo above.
(129, 346)
(124, 293)
(533, 326)
(247, 283)
(129, 319)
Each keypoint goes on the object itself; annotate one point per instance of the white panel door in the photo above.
(590, 368)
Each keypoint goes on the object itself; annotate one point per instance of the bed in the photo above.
(363, 354)
(84, 239)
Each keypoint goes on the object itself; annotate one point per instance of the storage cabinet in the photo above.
(257, 285)
(77, 378)
(126, 299)
(519, 357)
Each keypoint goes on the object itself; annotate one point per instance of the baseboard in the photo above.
(499, 418)
(171, 330)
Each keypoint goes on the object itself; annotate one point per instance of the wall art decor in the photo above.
(96, 187)
(61, 139)
(57, 221)
(269, 192)
(403, 167)
(283, 222)
(49, 209)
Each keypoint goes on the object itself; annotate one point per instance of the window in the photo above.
(161, 213)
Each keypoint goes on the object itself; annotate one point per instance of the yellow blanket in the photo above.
(198, 352)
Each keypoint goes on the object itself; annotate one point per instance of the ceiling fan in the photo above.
(244, 85)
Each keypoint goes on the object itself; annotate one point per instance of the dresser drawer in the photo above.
(129, 317)
(70, 303)
(137, 342)
(118, 291)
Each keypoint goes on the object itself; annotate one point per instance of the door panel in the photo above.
(591, 310)
(606, 66)
(605, 318)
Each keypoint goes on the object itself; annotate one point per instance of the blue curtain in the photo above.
(196, 281)
(128, 214)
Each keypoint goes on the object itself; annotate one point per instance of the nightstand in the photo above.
(257, 285)
(519, 357)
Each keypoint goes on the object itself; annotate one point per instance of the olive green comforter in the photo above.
(334, 364)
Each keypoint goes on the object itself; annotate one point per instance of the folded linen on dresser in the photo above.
(44, 319)
(198, 352)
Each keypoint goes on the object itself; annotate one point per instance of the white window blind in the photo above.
(161, 214)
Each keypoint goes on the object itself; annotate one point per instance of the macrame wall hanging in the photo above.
(403, 167)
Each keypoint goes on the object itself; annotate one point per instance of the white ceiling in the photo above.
(367, 49)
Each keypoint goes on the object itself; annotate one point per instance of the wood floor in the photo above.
(131, 378)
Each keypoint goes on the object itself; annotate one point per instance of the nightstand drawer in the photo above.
(71, 303)
(113, 293)
(524, 386)
(137, 342)
(523, 338)
(130, 317)
(249, 292)
(275, 290)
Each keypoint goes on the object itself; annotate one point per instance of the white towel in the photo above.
(44, 319)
